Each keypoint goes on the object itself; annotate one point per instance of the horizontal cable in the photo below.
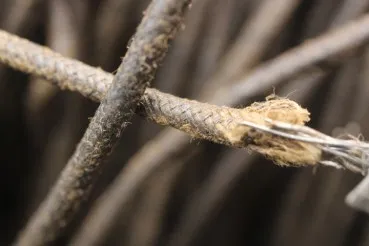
(222, 125)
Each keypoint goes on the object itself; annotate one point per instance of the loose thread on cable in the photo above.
(222, 125)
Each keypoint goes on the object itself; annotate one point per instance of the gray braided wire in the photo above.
(200, 120)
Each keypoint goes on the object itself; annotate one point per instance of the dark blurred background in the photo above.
(209, 194)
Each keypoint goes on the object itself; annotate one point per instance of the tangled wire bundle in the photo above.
(274, 128)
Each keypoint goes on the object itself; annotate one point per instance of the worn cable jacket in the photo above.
(218, 124)
(201, 120)
(161, 22)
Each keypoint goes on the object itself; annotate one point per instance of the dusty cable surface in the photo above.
(117, 197)
(151, 41)
(224, 125)
(222, 180)
(99, 222)
(31, 58)
(219, 124)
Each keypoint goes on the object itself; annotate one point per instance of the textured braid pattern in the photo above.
(222, 124)
(41, 61)
(148, 48)
(200, 120)
(93, 83)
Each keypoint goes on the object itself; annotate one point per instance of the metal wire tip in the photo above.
(342, 153)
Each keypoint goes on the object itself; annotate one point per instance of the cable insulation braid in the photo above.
(200, 120)
(222, 124)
